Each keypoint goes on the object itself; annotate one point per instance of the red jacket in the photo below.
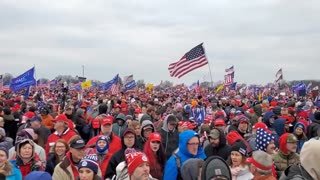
(66, 135)
(33, 165)
(114, 145)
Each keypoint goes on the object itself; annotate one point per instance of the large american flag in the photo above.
(192, 60)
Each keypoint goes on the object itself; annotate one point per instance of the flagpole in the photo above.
(35, 74)
(209, 68)
(210, 72)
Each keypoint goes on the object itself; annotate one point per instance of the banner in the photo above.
(24, 80)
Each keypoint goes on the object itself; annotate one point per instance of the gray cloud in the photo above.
(144, 37)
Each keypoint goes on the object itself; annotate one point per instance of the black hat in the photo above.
(240, 147)
(77, 144)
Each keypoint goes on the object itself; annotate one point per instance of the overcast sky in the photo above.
(143, 37)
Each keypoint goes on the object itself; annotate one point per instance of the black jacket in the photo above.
(223, 150)
(170, 139)
(117, 158)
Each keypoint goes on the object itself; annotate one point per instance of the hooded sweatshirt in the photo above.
(27, 165)
(301, 138)
(171, 167)
(170, 139)
(117, 158)
(223, 149)
(116, 128)
(141, 139)
(283, 158)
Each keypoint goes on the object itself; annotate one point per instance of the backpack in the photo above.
(178, 162)
(301, 176)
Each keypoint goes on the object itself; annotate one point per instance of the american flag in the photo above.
(229, 70)
(192, 60)
(279, 75)
(228, 79)
(114, 89)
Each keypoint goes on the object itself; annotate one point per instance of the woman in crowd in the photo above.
(10, 171)
(88, 168)
(237, 162)
(26, 158)
(154, 151)
(128, 140)
(58, 152)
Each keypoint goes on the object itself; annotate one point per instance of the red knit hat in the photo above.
(134, 159)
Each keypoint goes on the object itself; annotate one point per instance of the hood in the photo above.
(165, 122)
(79, 112)
(189, 169)
(184, 137)
(121, 116)
(283, 143)
(145, 117)
(135, 145)
(222, 138)
(279, 126)
(144, 124)
(266, 118)
(24, 141)
(310, 157)
(301, 125)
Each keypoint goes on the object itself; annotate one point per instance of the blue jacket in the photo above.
(16, 173)
(171, 169)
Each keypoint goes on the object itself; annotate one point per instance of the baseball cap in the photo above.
(107, 120)
(148, 127)
(155, 137)
(219, 122)
(61, 117)
(77, 144)
(129, 130)
(214, 134)
(36, 118)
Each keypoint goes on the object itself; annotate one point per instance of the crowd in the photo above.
(163, 134)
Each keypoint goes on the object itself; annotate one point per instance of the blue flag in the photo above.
(24, 80)
(130, 85)
(107, 85)
(233, 86)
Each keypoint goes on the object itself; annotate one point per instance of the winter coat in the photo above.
(103, 159)
(170, 139)
(295, 172)
(282, 161)
(117, 158)
(33, 164)
(171, 168)
(15, 173)
(141, 139)
(268, 177)
(114, 146)
(313, 129)
(52, 163)
(239, 173)
(47, 121)
(65, 170)
(223, 150)
(116, 128)
(37, 149)
(66, 135)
